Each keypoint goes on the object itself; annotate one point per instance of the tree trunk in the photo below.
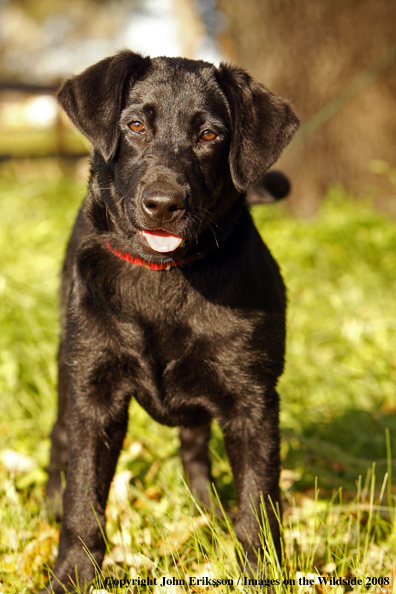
(310, 51)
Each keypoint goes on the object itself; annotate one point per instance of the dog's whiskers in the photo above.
(214, 235)
(207, 218)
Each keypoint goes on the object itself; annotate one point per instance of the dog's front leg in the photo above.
(96, 426)
(252, 443)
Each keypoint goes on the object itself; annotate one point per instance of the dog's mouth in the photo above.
(159, 240)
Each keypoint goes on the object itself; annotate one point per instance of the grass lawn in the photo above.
(338, 408)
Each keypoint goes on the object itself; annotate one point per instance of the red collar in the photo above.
(150, 265)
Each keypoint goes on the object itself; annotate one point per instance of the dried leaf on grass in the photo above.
(288, 478)
(122, 538)
(119, 493)
(39, 551)
(179, 533)
(151, 493)
(17, 463)
(123, 555)
(391, 588)
(201, 572)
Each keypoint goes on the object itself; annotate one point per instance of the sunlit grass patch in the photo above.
(154, 534)
(338, 400)
(338, 391)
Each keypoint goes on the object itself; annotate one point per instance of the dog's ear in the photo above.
(94, 99)
(262, 125)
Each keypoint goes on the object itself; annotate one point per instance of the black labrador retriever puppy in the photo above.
(168, 291)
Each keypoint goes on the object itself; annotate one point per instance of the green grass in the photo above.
(338, 391)
(38, 143)
(338, 403)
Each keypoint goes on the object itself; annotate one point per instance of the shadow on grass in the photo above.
(337, 452)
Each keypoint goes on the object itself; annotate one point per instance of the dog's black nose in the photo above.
(163, 206)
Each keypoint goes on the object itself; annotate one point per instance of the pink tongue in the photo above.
(161, 241)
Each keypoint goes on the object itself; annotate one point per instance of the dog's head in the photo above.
(176, 144)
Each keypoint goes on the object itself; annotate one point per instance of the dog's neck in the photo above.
(149, 265)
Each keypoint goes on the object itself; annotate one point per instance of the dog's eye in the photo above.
(207, 136)
(137, 127)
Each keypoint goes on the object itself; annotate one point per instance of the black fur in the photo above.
(201, 341)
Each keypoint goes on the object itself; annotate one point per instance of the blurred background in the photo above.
(335, 60)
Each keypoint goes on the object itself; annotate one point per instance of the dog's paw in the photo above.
(74, 570)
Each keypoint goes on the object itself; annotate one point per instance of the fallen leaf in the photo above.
(202, 572)
(288, 478)
(122, 538)
(8, 563)
(329, 568)
(119, 492)
(391, 587)
(17, 463)
(9, 537)
(153, 493)
(180, 533)
(135, 449)
(123, 555)
(39, 551)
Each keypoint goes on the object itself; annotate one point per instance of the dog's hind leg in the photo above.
(59, 458)
(194, 455)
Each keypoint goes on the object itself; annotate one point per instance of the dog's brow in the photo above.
(207, 118)
(135, 105)
(149, 109)
(137, 110)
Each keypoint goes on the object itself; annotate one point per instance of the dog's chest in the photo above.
(189, 357)
(182, 377)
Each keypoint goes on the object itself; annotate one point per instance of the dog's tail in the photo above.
(270, 187)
